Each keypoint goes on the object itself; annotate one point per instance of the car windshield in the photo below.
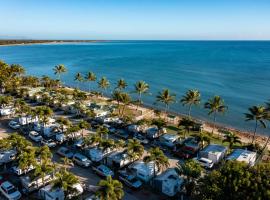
(11, 190)
(133, 180)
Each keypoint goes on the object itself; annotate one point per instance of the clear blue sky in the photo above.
(135, 19)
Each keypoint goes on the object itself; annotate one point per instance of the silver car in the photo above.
(81, 160)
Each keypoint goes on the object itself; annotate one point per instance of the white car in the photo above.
(204, 162)
(14, 125)
(33, 135)
(9, 191)
(81, 160)
(50, 143)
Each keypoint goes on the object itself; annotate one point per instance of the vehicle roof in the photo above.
(6, 184)
(214, 148)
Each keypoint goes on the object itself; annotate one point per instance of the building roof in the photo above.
(214, 148)
(242, 155)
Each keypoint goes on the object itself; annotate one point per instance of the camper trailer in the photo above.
(213, 152)
(7, 111)
(168, 183)
(30, 185)
(169, 140)
(96, 154)
(118, 160)
(27, 120)
(7, 156)
(48, 193)
(243, 155)
(144, 171)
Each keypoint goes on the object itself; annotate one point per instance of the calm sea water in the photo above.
(237, 71)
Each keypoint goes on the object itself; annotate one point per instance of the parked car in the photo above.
(35, 136)
(9, 191)
(204, 162)
(81, 160)
(103, 170)
(49, 142)
(14, 125)
(142, 139)
(130, 180)
(65, 152)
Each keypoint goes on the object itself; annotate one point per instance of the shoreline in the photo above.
(245, 136)
(52, 42)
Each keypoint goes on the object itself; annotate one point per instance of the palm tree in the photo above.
(83, 125)
(58, 70)
(125, 99)
(110, 189)
(157, 156)
(27, 158)
(121, 84)
(90, 77)
(215, 105)
(91, 140)
(192, 97)
(78, 78)
(102, 131)
(116, 95)
(44, 154)
(141, 87)
(64, 123)
(232, 139)
(107, 144)
(44, 113)
(134, 149)
(103, 83)
(66, 181)
(258, 114)
(5, 101)
(187, 123)
(192, 171)
(17, 70)
(67, 162)
(166, 98)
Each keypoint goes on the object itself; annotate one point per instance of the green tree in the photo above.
(235, 180)
(5, 101)
(90, 77)
(64, 123)
(191, 171)
(232, 139)
(187, 124)
(83, 125)
(259, 115)
(141, 88)
(215, 105)
(103, 83)
(110, 189)
(166, 98)
(125, 99)
(58, 70)
(157, 156)
(102, 131)
(192, 97)
(66, 181)
(134, 149)
(121, 84)
(78, 78)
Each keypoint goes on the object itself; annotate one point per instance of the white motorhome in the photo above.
(48, 193)
(214, 152)
(169, 182)
(169, 140)
(27, 120)
(7, 111)
(144, 171)
(118, 159)
(7, 156)
(30, 185)
(18, 171)
(243, 155)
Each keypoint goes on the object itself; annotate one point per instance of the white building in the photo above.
(169, 182)
(243, 155)
(214, 152)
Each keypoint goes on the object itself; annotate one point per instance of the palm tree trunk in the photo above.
(89, 87)
(189, 111)
(140, 97)
(265, 145)
(214, 125)
(255, 130)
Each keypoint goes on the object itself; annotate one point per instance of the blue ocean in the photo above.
(238, 71)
